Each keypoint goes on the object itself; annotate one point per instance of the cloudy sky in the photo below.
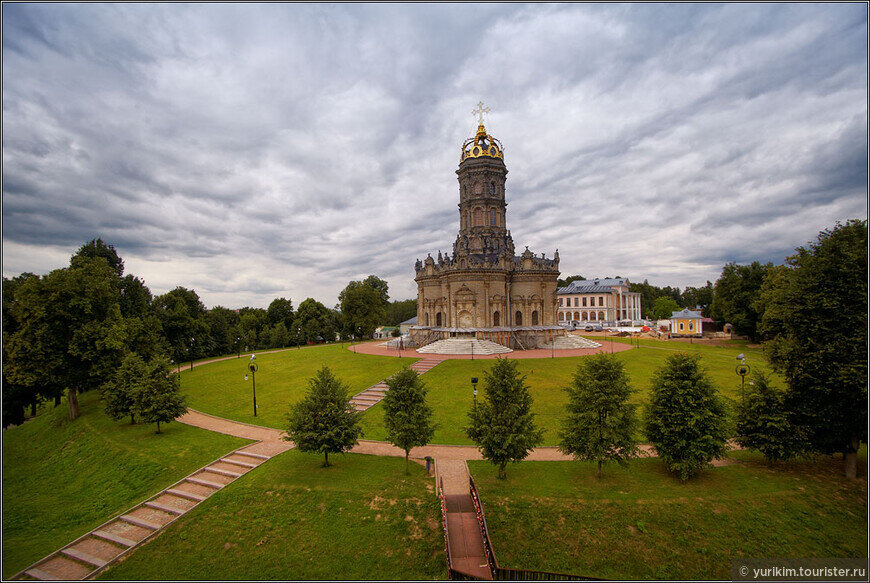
(251, 152)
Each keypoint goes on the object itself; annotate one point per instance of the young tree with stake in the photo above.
(502, 424)
(325, 421)
(407, 417)
(600, 425)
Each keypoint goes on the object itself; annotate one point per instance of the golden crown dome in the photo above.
(481, 145)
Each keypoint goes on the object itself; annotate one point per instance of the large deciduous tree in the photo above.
(407, 416)
(735, 296)
(314, 322)
(664, 307)
(502, 424)
(363, 306)
(16, 394)
(600, 425)
(71, 335)
(816, 308)
(685, 419)
(182, 317)
(325, 421)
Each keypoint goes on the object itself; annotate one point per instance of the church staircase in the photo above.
(570, 343)
(464, 346)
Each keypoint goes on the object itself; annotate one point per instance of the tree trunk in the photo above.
(158, 426)
(72, 401)
(598, 474)
(501, 473)
(326, 459)
(132, 419)
(407, 451)
(850, 458)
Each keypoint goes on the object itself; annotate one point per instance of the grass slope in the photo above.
(219, 388)
(362, 518)
(62, 478)
(451, 397)
(641, 523)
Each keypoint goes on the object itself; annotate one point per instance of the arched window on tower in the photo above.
(438, 319)
(493, 219)
(492, 187)
(496, 318)
(534, 317)
(478, 217)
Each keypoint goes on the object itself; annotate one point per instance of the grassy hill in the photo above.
(450, 392)
(642, 523)
(220, 388)
(62, 478)
(290, 519)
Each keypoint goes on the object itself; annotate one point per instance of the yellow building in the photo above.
(686, 323)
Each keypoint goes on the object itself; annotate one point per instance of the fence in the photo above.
(505, 574)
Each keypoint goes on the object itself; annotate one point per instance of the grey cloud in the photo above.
(248, 146)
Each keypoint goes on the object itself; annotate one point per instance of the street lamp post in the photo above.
(238, 346)
(252, 366)
(474, 389)
(742, 370)
(191, 353)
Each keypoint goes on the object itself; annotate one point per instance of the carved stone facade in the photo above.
(483, 288)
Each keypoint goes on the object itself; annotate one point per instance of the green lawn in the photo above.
(62, 478)
(450, 392)
(641, 523)
(362, 518)
(220, 388)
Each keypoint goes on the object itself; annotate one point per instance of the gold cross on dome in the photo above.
(480, 111)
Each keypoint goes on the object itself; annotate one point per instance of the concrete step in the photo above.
(254, 455)
(164, 508)
(238, 463)
(205, 483)
(135, 520)
(186, 495)
(40, 575)
(83, 557)
(464, 346)
(113, 538)
(226, 473)
(570, 343)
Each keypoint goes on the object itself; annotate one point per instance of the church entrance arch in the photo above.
(465, 319)
(438, 319)
(518, 318)
(496, 318)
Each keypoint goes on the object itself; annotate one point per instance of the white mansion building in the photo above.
(603, 301)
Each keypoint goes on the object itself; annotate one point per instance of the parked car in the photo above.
(593, 328)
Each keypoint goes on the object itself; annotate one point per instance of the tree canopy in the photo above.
(325, 421)
(816, 309)
(685, 419)
(407, 416)
(502, 423)
(735, 294)
(600, 424)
